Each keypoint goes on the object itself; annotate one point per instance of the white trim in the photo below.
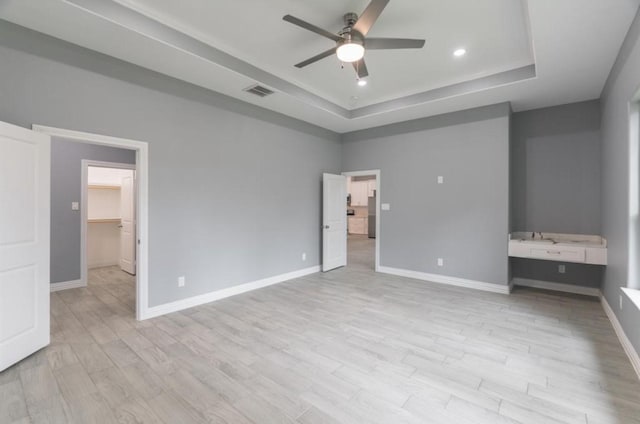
(548, 285)
(370, 172)
(633, 230)
(64, 285)
(624, 340)
(190, 302)
(84, 200)
(633, 295)
(142, 175)
(443, 279)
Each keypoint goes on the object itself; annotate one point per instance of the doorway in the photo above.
(109, 229)
(141, 152)
(363, 219)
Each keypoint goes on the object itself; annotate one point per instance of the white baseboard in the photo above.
(190, 302)
(102, 264)
(443, 279)
(64, 285)
(548, 285)
(624, 340)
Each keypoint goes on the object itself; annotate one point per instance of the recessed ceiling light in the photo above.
(459, 52)
(362, 82)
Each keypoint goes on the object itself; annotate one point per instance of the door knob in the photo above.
(120, 226)
(326, 227)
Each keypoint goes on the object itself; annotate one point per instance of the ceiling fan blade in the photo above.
(370, 16)
(311, 27)
(361, 68)
(316, 58)
(393, 43)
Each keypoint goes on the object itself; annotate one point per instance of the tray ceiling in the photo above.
(534, 54)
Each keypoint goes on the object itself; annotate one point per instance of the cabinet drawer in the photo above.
(559, 254)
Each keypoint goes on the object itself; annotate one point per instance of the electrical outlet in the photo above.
(181, 281)
(620, 302)
(440, 262)
(304, 256)
(75, 206)
(562, 269)
(440, 179)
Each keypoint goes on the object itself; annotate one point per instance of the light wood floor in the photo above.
(347, 346)
(361, 252)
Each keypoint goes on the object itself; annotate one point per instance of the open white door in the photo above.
(334, 221)
(128, 225)
(24, 242)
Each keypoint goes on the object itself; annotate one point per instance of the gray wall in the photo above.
(556, 159)
(465, 220)
(555, 186)
(66, 179)
(235, 190)
(622, 85)
(575, 274)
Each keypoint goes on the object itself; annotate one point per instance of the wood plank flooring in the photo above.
(348, 346)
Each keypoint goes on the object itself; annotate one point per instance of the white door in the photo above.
(334, 221)
(24, 242)
(128, 225)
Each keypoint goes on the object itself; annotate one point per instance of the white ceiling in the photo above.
(275, 46)
(97, 175)
(227, 46)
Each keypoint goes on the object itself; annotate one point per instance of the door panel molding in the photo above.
(25, 167)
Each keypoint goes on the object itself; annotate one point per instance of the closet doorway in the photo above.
(109, 226)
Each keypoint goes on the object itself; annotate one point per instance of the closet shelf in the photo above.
(104, 187)
(103, 220)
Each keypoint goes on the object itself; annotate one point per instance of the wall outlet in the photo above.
(181, 281)
(620, 302)
(440, 179)
(562, 269)
(440, 262)
(304, 256)
(75, 206)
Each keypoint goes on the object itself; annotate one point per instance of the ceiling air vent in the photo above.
(258, 90)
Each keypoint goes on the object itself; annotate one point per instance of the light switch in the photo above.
(75, 206)
(440, 179)
(385, 207)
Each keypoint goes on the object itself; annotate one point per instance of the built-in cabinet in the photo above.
(359, 191)
(358, 225)
(371, 188)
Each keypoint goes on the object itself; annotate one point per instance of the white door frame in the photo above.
(142, 213)
(370, 172)
(84, 200)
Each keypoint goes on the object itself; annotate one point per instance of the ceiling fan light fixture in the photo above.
(350, 52)
(460, 52)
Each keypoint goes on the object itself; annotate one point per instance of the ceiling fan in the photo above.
(351, 41)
